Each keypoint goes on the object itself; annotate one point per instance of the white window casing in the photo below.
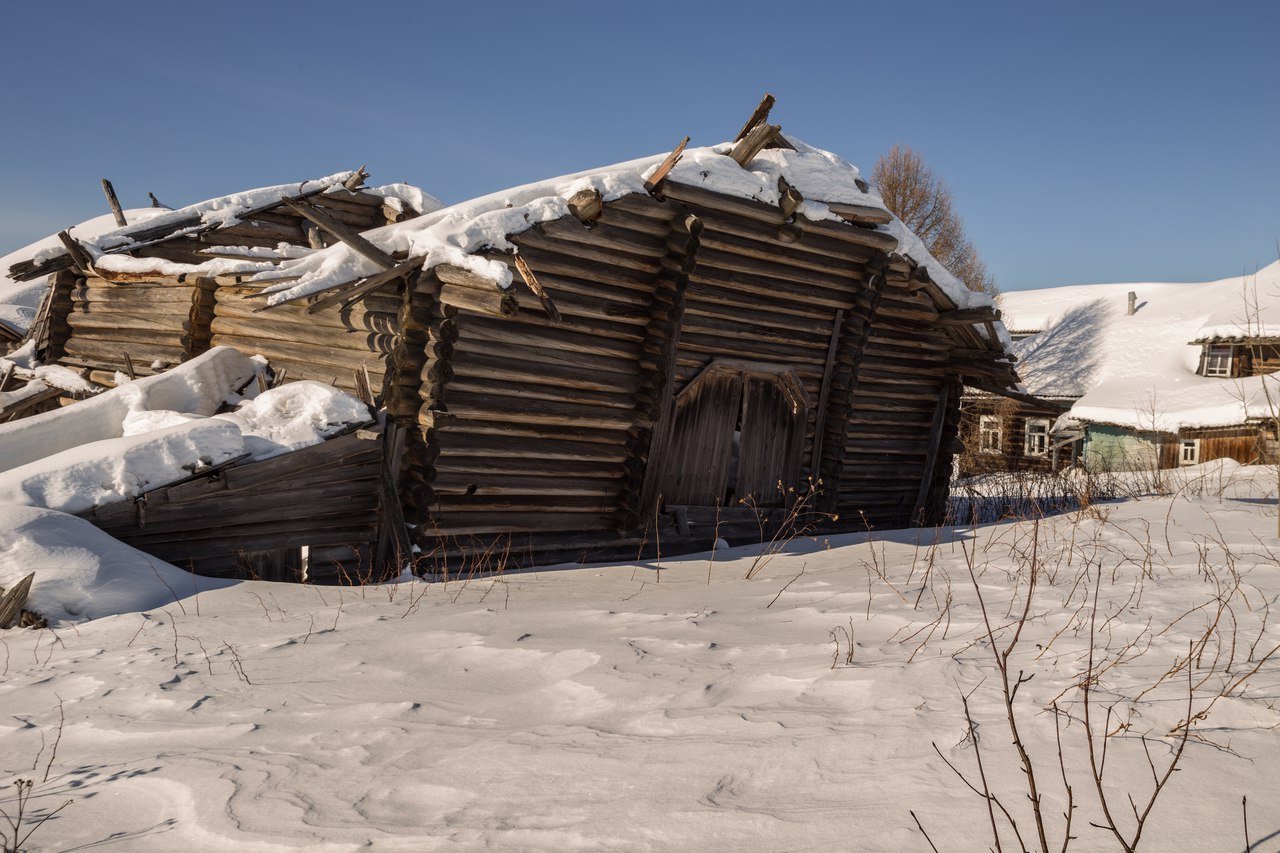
(1189, 451)
(1037, 437)
(990, 428)
(1217, 360)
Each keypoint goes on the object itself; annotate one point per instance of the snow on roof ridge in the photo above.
(451, 234)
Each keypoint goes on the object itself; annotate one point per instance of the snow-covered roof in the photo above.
(214, 213)
(1139, 370)
(19, 300)
(451, 235)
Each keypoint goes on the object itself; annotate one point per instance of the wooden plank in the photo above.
(660, 174)
(343, 232)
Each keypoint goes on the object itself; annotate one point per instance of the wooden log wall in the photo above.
(331, 346)
(760, 291)
(156, 324)
(224, 524)
(889, 443)
(535, 420)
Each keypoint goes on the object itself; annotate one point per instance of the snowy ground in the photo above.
(625, 708)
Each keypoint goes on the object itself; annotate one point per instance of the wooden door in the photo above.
(772, 438)
(736, 432)
(696, 467)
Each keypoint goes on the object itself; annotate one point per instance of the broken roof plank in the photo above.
(345, 233)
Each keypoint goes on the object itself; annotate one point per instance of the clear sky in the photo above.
(1084, 142)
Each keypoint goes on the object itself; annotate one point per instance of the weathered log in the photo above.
(501, 303)
(341, 231)
(114, 203)
(586, 205)
(753, 142)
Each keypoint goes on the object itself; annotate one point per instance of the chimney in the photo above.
(1133, 303)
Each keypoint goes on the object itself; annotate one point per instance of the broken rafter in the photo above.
(759, 116)
(667, 165)
(345, 233)
(356, 291)
(80, 259)
(753, 143)
(553, 313)
(356, 181)
(114, 203)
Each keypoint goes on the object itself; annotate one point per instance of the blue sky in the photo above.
(1084, 142)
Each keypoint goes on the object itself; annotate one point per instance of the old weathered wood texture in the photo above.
(325, 497)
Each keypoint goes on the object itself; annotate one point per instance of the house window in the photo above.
(1190, 451)
(989, 429)
(1037, 441)
(1217, 361)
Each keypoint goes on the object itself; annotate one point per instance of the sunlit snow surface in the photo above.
(613, 707)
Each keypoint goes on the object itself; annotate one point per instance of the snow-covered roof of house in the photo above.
(1139, 370)
(214, 213)
(452, 234)
(19, 300)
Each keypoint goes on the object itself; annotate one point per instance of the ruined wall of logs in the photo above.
(331, 345)
(531, 420)
(137, 326)
(251, 519)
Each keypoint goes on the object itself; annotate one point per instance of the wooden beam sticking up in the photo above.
(13, 601)
(789, 198)
(553, 313)
(114, 203)
(356, 181)
(345, 233)
(128, 366)
(753, 143)
(668, 164)
(586, 205)
(79, 257)
(760, 116)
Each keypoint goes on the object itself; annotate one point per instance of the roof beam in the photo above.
(343, 232)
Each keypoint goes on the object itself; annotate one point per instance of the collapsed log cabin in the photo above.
(141, 298)
(647, 357)
(678, 348)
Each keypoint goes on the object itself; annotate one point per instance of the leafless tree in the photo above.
(922, 200)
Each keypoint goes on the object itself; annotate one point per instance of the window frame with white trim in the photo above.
(1035, 437)
(1218, 360)
(1188, 451)
(991, 434)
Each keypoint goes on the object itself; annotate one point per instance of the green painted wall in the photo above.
(1108, 448)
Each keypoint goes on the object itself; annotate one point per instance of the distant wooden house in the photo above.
(650, 356)
(1141, 376)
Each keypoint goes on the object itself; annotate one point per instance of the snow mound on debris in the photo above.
(111, 470)
(154, 431)
(82, 573)
(199, 387)
(294, 416)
